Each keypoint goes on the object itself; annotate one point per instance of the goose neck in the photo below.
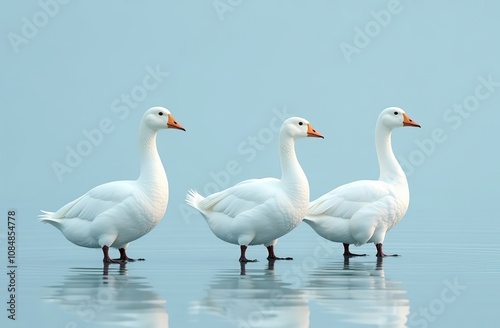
(292, 174)
(390, 170)
(151, 166)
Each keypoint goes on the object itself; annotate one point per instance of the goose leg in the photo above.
(243, 270)
(380, 253)
(125, 258)
(105, 268)
(106, 258)
(273, 256)
(243, 249)
(348, 253)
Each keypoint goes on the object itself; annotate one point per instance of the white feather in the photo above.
(116, 213)
(363, 211)
(258, 211)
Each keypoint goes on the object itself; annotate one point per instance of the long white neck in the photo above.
(390, 170)
(292, 175)
(152, 171)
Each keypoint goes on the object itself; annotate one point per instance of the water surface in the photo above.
(436, 282)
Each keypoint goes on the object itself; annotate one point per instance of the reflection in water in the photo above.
(360, 294)
(254, 298)
(108, 297)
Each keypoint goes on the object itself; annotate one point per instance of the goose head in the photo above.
(297, 127)
(157, 118)
(395, 117)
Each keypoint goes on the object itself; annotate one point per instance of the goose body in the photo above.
(259, 211)
(115, 213)
(363, 211)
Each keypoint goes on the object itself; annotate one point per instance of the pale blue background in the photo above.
(227, 72)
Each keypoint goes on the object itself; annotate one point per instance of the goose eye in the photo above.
(396, 113)
(300, 123)
(160, 113)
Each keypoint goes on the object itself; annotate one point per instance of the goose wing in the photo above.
(96, 201)
(242, 197)
(344, 201)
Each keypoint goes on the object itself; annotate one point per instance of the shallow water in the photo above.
(435, 283)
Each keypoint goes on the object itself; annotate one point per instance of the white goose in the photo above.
(363, 211)
(258, 211)
(116, 213)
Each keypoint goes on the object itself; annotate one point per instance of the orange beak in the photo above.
(313, 133)
(172, 123)
(409, 122)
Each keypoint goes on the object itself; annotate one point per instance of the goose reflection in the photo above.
(359, 293)
(108, 297)
(254, 298)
